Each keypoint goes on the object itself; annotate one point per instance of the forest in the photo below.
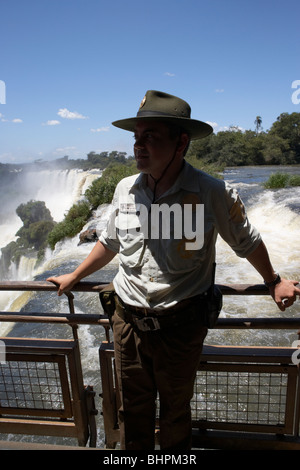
(280, 145)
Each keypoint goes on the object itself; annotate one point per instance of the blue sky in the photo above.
(68, 68)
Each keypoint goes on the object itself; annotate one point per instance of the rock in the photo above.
(88, 236)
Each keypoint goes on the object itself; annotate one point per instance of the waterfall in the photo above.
(276, 214)
(59, 189)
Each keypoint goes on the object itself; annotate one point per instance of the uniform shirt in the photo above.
(157, 267)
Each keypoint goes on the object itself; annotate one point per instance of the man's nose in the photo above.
(139, 143)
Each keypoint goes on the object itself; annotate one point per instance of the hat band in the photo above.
(154, 113)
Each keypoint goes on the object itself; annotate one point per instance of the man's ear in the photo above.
(183, 143)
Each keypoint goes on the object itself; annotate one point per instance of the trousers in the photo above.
(156, 363)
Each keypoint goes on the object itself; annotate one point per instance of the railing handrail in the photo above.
(272, 323)
(62, 318)
(49, 286)
(89, 318)
(89, 286)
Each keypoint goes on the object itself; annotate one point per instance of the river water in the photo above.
(275, 213)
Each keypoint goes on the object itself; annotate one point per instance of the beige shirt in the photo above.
(157, 267)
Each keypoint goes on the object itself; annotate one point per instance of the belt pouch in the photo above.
(212, 306)
(107, 299)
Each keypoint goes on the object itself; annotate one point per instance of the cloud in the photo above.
(60, 150)
(219, 90)
(52, 122)
(101, 129)
(169, 74)
(66, 114)
(16, 120)
(214, 125)
(217, 128)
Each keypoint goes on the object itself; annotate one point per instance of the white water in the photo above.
(280, 229)
(276, 214)
(59, 189)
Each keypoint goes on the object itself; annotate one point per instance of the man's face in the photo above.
(153, 147)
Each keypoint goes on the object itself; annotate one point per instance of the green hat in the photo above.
(157, 105)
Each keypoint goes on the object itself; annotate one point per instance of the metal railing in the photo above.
(97, 287)
(42, 391)
(260, 385)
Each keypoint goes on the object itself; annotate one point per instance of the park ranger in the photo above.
(163, 294)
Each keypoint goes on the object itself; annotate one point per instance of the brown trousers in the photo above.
(164, 362)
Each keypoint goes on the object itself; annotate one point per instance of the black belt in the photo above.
(146, 319)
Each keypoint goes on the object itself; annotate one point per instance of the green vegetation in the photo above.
(32, 236)
(279, 146)
(93, 160)
(294, 180)
(73, 222)
(282, 180)
(213, 169)
(101, 191)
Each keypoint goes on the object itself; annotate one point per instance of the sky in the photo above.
(68, 68)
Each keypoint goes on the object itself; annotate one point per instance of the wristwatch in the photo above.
(275, 281)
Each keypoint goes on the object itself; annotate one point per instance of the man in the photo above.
(161, 287)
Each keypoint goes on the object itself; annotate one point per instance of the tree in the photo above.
(32, 236)
(37, 223)
(287, 128)
(33, 211)
(257, 123)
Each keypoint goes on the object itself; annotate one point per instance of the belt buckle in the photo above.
(147, 324)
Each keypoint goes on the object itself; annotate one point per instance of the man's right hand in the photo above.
(99, 257)
(65, 282)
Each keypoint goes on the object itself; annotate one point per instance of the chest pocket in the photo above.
(179, 259)
(184, 253)
(130, 232)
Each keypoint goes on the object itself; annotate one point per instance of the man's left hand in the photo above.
(285, 293)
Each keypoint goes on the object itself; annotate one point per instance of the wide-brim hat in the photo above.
(160, 106)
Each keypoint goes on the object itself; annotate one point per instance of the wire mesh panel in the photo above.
(244, 396)
(42, 390)
(33, 385)
(236, 396)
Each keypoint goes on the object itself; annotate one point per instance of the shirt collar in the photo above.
(186, 180)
